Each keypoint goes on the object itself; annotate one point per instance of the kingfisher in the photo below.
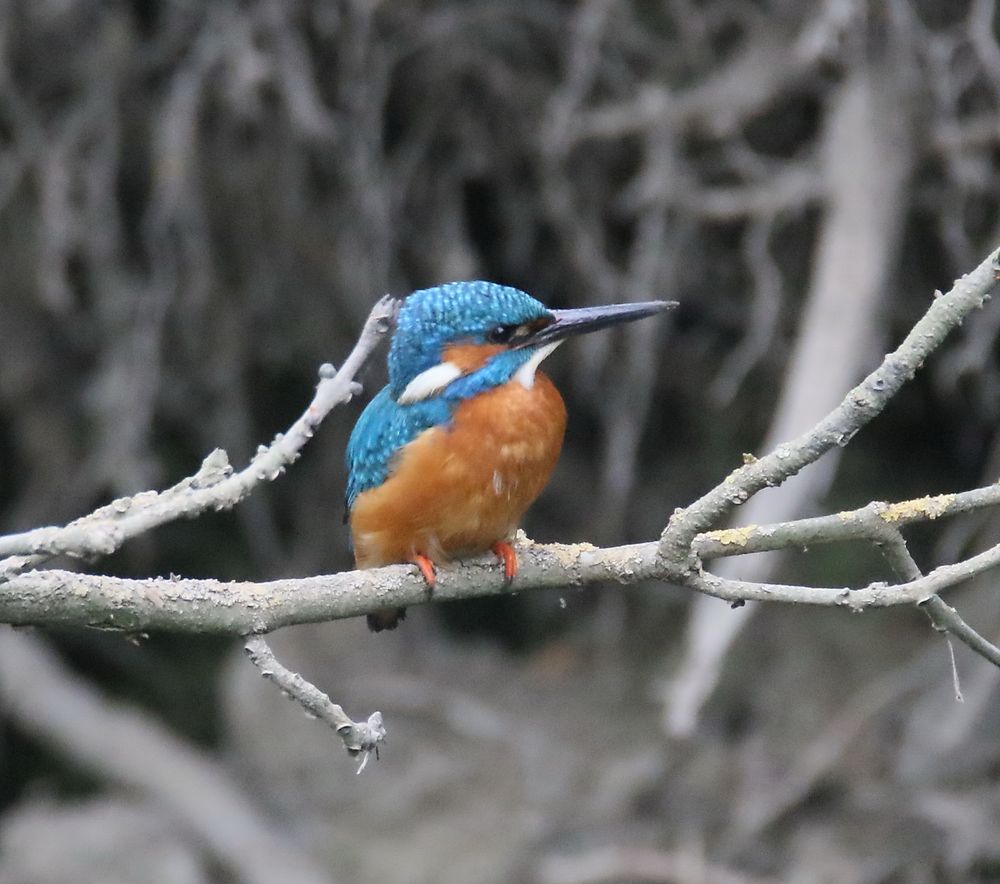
(447, 457)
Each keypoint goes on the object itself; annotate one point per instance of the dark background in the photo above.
(199, 203)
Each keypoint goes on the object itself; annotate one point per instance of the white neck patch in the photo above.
(429, 383)
(525, 375)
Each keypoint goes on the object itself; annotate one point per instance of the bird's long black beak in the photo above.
(587, 319)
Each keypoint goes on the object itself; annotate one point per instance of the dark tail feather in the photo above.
(388, 618)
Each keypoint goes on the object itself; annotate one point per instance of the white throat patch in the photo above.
(526, 373)
(429, 383)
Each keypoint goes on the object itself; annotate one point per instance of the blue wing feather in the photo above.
(384, 427)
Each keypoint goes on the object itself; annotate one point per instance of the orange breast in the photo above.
(459, 489)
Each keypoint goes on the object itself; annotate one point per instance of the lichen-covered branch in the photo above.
(860, 406)
(839, 527)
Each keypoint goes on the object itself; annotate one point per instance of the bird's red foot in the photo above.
(426, 567)
(508, 555)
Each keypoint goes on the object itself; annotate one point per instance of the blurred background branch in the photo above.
(199, 203)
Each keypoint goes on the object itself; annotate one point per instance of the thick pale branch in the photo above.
(211, 606)
(67, 598)
(215, 486)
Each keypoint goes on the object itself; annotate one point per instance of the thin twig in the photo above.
(891, 543)
(214, 486)
(359, 737)
(947, 618)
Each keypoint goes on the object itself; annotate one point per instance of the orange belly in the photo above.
(460, 488)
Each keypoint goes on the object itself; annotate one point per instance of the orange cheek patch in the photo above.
(470, 357)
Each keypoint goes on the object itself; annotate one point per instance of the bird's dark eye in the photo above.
(501, 334)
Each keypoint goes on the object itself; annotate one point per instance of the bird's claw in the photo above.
(508, 555)
(427, 570)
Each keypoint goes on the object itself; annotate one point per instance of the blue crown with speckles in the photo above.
(432, 318)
